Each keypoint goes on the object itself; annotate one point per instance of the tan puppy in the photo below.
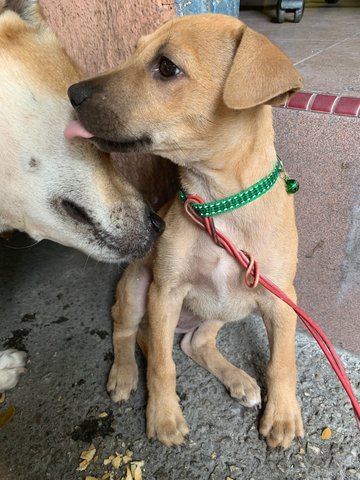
(198, 91)
(65, 191)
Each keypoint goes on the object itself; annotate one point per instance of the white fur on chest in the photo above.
(219, 291)
(221, 276)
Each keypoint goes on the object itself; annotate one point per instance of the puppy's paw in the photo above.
(166, 422)
(281, 422)
(12, 363)
(244, 388)
(123, 379)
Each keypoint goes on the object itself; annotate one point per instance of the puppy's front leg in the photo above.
(281, 421)
(165, 420)
(127, 312)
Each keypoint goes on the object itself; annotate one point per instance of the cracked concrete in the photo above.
(56, 304)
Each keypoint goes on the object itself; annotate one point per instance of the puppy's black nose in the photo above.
(78, 93)
(157, 223)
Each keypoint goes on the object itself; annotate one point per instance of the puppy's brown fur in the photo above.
(213, 118)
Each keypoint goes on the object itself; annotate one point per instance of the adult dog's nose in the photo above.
(78, 94)
(157, 223)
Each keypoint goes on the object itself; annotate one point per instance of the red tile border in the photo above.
(300, 101)
(348, 106)
(324, 103)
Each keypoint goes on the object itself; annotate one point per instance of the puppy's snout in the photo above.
(157, 222)
(78, 94)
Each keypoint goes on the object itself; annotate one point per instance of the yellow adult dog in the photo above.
(50, 187)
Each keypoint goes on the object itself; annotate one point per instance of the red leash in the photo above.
(253, 277)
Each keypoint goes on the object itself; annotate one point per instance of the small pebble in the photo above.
(314, 449)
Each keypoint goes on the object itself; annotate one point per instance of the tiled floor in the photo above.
(325, 45)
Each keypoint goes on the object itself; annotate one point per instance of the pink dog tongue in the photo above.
(75, 129)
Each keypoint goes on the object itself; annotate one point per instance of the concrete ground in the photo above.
(55, 303)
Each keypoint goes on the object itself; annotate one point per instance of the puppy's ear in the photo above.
(28, 10)
(260, 73)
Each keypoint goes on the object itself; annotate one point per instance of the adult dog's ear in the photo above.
(28, 10)
(260, 73)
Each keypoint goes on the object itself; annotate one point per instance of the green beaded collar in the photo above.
(246, 196)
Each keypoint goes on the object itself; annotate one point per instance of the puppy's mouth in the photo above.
(141, 144)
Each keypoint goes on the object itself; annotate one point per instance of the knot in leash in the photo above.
(252, 273)
(253, 277)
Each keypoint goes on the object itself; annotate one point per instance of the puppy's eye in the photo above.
(167, 68)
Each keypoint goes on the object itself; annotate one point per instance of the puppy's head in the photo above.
(181, 86)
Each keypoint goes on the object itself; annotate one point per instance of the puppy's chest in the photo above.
(218, 288)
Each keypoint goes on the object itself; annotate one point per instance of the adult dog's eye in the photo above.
(167, 68)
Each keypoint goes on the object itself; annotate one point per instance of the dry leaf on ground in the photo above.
(136, 470)
(108, 460)
(128, 474)
(326, 434)
(108, 476)
(86, 456)
(7, 416)
(117, 460)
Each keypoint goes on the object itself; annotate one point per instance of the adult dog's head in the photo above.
(51, 187)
